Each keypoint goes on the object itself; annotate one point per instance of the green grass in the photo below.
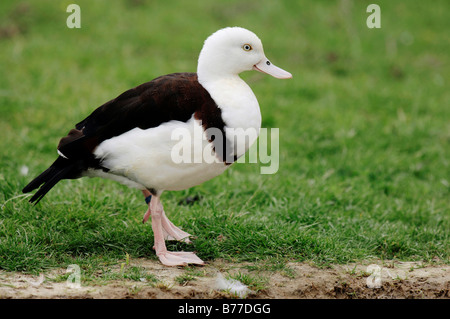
(364, 132)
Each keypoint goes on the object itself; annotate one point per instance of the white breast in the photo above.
(240, 111)
(145, 158)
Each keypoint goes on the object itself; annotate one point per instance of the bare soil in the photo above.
(297, 280)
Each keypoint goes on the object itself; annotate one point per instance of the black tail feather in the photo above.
(38, 181)
(59, 170)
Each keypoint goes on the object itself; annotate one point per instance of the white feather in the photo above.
(232, 285)
(24, 170)
(61, 154)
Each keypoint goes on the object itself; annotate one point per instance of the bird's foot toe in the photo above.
(181, 258)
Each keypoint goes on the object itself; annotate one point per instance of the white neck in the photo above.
(238, 104)
(240, 108)
(208, 73)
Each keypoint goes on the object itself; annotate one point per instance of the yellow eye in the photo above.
(247, 47)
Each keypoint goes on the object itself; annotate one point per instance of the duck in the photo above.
(131, 139)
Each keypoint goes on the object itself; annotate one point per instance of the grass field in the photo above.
(364, 132)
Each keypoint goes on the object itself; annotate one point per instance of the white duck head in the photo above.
(230, 51)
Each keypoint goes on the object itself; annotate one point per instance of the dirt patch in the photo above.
(294, 280)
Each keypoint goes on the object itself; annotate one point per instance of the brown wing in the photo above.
(170, 97)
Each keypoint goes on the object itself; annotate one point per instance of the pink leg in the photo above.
(171, 232)
(166, 257)
(147, 214)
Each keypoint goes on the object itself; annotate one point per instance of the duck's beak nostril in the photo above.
(269, 68)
